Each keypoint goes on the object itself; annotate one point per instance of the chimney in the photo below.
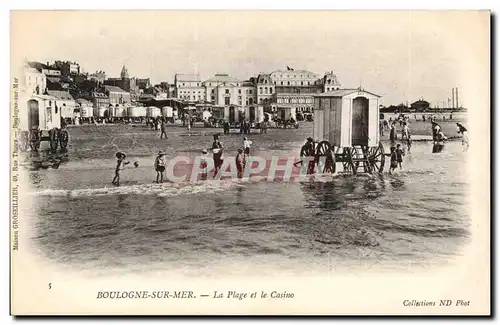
(452, 97)
(456, 94)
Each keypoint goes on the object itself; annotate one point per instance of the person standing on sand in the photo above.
(160, 166)
(120, 164)
(163, 129)
(435, 130)
(240, 163)
(204, 164)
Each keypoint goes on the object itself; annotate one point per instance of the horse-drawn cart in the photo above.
(346, 131)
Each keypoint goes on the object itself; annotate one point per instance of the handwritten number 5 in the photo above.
(50, 285)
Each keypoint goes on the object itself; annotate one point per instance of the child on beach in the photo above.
(399, 155)
(240, 163)
(120, 164)
(394, 160)
(204, 164)
(160, 166)
(246, 146)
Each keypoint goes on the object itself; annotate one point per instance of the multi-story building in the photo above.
(117, 95)
(143, 83)
(330, 82)
(100, 99)
(294, 78)
(249, 93)
(35, 81)
(223, 90)
(295, 89)
(189, 87)
(67, 68)
(265, 88)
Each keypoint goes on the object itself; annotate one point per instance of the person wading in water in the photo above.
(465, 134)
(307, 150)
(217, 154)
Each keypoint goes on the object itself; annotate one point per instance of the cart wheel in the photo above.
(377, 158)
(63, 140)
(366, 160)
(325, 150)
(346, 159)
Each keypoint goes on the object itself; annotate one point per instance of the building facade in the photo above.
(189, 87)
(64, 102)
(290, 78)
(100, 99)
(330, 82)
(117, 95)
(35, 81)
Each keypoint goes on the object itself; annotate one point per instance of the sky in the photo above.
(403, 56)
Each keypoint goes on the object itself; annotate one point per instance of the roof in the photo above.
(32, 70)
(60, 94)
(114, 89)
(38, 65)
(263, 77)
(187, 77)
(296, 71)
(83, 101)
(99, 95)
(222, 78)
(54, 79)
(344, 92)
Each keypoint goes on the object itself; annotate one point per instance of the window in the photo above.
(302, 83)
(260, 90)
(308, 83)
(239, 97)
(227, 91)
(198, 84)
(213, 91)
(213, 97)
(275, 82)
(282, 83)
(239, 102)
(246, 102)
(288, 83)
(250, 91)
(270, 90)
(250, 101)
(226, 101)
(183, 84)
(260, 100)
(239, 91)
(265, 90)
(265, 81)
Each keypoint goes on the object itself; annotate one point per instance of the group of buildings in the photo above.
(76, 94)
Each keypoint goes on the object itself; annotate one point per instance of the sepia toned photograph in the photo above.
(250, 162)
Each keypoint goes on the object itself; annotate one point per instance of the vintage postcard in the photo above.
(250, 163)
